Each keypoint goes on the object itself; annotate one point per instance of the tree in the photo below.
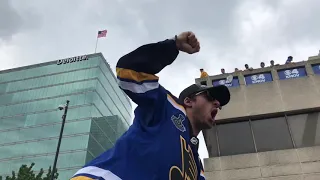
(26, 173)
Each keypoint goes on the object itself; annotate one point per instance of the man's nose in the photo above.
(216, 104)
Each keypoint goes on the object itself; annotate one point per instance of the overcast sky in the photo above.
(232, 33)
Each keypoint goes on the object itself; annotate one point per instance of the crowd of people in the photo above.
(247, 67)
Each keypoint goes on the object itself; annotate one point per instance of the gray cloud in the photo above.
(300, 18)
(15, 18)
(10, 20)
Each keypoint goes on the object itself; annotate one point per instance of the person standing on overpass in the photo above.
(203, 73)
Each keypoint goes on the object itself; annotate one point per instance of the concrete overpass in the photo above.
(271, 127)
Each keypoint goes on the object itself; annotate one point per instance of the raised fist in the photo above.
(187, 42)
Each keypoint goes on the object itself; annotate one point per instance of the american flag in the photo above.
(102, 33)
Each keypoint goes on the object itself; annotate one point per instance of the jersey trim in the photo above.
(91, 171)
(83, 178)
(202, 174)
(138, 88)
(135, 76)
(175, 104)
(136, 82)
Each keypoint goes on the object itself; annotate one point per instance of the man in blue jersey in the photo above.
(162, 142)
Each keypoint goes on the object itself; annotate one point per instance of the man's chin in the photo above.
(208, 125)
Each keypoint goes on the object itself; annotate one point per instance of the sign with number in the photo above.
(258, 78)
(316, 68)
(229, 82)
(292, 73)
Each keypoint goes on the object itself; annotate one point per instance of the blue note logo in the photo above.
(291, 73)
(258, 78)
(178, 122)
(225, 82)
(188, 169)
(222, 82)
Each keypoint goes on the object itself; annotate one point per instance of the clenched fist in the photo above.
(187, 42)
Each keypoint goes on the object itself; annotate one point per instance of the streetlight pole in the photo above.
(65, 107)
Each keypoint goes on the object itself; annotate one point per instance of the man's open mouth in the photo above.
(214, 113)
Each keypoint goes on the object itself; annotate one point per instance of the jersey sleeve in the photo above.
(136, 71)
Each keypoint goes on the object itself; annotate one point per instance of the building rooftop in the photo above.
(260, 92)
(49, 62)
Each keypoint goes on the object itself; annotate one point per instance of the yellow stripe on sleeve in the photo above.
(175, 104)
(136, 76)
(81, 178)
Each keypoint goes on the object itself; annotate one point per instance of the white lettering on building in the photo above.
(291, 73)
(71, 60)
(226, 83)
(258, 79)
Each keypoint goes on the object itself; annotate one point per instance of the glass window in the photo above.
(235, 138)
(68, 173)
(47, 145)
(123, 104)
(9, 137)
(305, 129)
(89, 157)
(271, 134)
(95, 112)
(47, 92)
(78, 112)
(51, 130)
(94, 147)
(9, 123)
(74, 142)
(65, 160)
(27, 148)
(99, 104)
(100, 136)
(43, 105)
(115, 108)
(71, 159)
(3, 88)
(112, 126)
(75, 127)
(47, 117)
(113, 82)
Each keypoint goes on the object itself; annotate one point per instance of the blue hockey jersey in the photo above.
(159, 145)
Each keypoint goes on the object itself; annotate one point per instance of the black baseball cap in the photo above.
(220, 93)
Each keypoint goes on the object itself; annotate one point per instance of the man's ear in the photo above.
(187, 102)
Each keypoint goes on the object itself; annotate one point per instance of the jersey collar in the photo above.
(193, 139)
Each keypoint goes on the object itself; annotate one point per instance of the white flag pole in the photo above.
(95, 50)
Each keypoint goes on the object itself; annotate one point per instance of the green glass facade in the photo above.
(99, 112)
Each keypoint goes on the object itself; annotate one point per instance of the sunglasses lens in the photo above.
(210, 97)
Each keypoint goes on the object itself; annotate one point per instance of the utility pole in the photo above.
(65, 108)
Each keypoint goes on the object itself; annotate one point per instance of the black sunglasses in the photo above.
(208, 96)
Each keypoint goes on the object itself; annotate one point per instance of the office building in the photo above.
(270, 130)
(99, 112)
